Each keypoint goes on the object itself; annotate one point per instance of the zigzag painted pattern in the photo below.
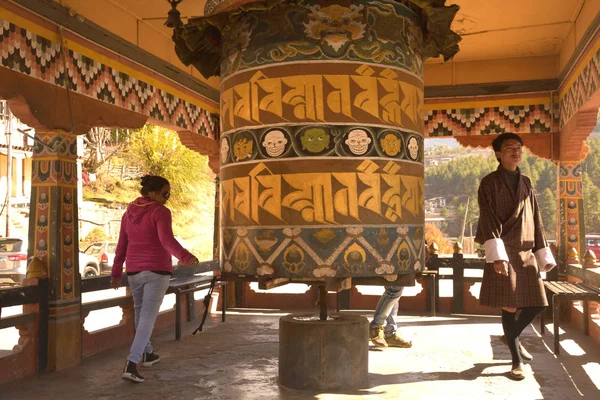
(40, 58)
(582, 89)
(488, 120)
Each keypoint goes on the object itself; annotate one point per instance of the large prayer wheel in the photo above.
(321, 133)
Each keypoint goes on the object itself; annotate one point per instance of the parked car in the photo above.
(88, 265)
(104, 253)
(13, 260)
(592, 242)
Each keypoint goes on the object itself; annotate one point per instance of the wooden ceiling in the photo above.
(491, 29)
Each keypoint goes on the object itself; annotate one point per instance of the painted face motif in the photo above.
(413, 148)
(315, 140)
(274, 143)
(224, 150)
(358, 141)
(242, 149)
(335, 25)
(390, 144)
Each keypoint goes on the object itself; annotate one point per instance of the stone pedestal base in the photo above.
(323, 355)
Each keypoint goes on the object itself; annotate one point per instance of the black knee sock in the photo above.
(508, 325)
(526, 316)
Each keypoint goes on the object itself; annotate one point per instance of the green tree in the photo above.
(591, 164)
(591, 204)
(160, 152)
(547, 204)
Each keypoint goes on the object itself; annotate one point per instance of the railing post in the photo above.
(434, 265)
(458, 272)
(589, 261)
(343, 299)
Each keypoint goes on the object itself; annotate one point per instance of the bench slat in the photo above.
(550, 285)
(571, 289)
(579, 287)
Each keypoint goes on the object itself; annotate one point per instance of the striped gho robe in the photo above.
(510, 228)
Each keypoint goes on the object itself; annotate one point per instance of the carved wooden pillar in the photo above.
(54, 240)
(571, 224)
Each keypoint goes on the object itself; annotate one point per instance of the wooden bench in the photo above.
(569, 291)
(191, 284)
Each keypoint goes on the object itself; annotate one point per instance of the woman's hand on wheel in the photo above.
(192, 261)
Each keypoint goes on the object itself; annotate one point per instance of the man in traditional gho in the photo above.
(516, 251)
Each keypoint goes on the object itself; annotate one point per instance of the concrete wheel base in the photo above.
(323, 355)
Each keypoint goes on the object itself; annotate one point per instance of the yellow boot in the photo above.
(376, 336)
(396, 341)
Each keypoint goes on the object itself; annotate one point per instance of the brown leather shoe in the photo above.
(396, 341)
(518, 371)
(376, 336)
(524, 353)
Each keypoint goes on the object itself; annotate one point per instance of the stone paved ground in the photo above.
(454, 357)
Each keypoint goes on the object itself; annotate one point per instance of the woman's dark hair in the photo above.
(497, 143)
(152, 183)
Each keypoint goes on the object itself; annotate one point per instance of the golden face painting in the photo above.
(390, 144)
(242, 149)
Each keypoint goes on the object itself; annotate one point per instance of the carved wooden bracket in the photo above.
(203, 145)
(572, 145)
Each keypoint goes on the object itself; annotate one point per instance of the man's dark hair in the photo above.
(497, 143)
(152, 183)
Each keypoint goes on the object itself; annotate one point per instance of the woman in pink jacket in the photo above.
(146, 242)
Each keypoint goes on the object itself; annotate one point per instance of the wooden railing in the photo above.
(458, 263)
(31, 352)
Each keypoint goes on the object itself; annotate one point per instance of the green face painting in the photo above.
(315, 140)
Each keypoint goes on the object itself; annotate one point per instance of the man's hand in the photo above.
(115, 283)
(501, 267)
(548, 267)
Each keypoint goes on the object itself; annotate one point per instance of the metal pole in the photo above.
(472, 242)
(8, 169)
(462, 235)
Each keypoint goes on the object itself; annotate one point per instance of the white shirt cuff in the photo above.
(495, 251)
(544, 257)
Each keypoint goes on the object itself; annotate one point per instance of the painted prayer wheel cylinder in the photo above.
(322, 140)
(323, 355)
